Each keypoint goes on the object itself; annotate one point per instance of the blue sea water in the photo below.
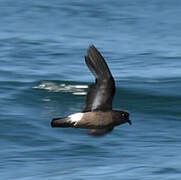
(43, 75)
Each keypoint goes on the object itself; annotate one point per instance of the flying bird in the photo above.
(97, 115)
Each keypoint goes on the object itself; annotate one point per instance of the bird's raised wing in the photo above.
(100, 93)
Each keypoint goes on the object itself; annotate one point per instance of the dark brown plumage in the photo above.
(97, 114)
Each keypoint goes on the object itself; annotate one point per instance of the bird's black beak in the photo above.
(129, 121)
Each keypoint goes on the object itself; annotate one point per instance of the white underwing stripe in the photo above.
(96, 101)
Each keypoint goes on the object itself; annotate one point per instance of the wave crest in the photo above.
(55, 87)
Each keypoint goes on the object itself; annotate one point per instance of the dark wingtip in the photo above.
(91, 47)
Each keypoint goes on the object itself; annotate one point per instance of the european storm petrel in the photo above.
(97, 114)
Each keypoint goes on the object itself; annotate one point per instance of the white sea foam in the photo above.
(54, 87)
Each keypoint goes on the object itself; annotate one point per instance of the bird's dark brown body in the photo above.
(97, 114)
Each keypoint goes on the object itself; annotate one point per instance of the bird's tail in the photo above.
(61, 122)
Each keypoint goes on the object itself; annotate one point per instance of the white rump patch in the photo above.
(74, 118)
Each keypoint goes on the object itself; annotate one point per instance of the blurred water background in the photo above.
(43, 75)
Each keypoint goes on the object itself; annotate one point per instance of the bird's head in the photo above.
(122, 117)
